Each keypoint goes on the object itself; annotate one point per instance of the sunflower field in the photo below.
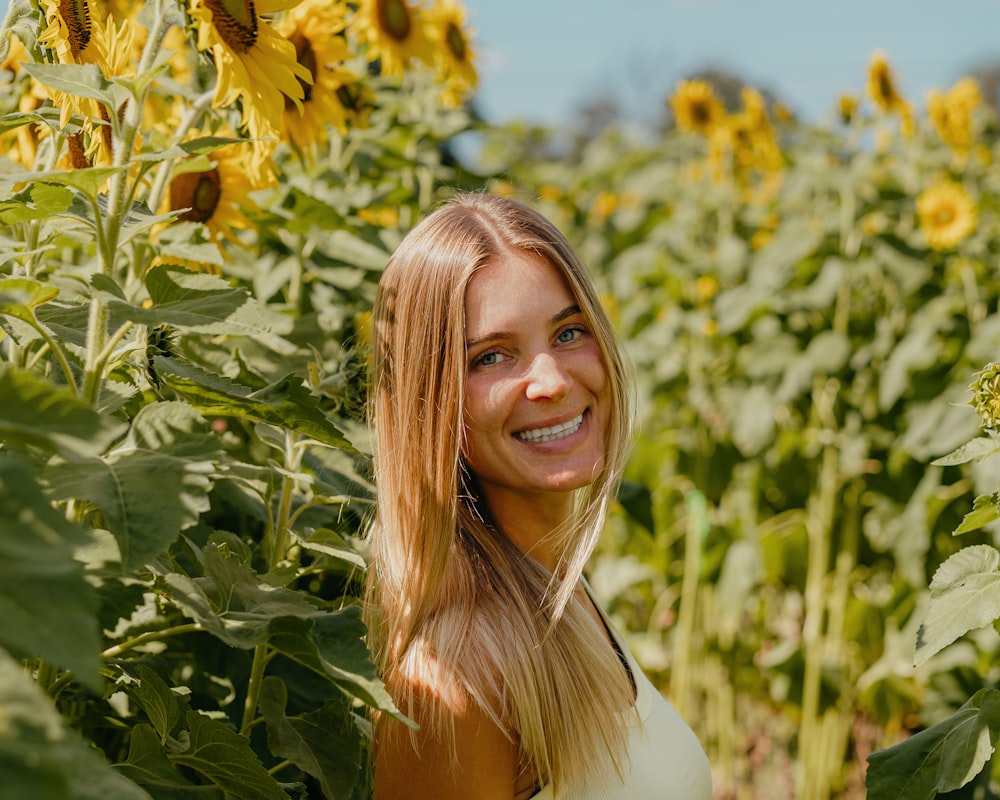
(196, 200)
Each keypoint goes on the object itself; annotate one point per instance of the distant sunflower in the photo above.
(254, 64)
(882, 84)
(453, 52)
(314, 28)
(946, 213)
(847, 107)
(394, 32)
(952, 113)
(696, 107)
(219, 197)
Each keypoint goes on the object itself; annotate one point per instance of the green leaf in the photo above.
(168, 448)
(976, 450)
(323, 743)
(36, 413)
(20, 296)
(164, 708)
(149, 767)
(332, 544)
(193, 300)
(985, 509)
(37, 201)
(238, 607)
(89, 180)
(225, 758)
(941, 758)
(232, 602)
(965, 594)
(81, 80)
(40, 757)
(47, 608)
(333, 645)
(285, 403)
(46, 115)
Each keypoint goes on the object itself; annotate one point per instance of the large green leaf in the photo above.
(225, 758)
(40, 757)
(37, 201)
(47, 608)
(965, 594)
(149, 767)
(324, 743)
(286, 402)
(35, 412)
(151, 693)
(941, 758)
(193, 300)
(333, 645)
(150, 488)
(20, 296)
(241, 609)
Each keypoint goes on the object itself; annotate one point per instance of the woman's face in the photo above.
(537, 401)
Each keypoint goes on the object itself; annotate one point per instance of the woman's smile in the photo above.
(553, 433)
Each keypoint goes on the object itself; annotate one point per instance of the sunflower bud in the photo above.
(986, 394)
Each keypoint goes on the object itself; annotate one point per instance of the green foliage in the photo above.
(183, 473)
(804, 341)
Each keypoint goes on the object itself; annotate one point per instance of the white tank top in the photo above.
(666, 760)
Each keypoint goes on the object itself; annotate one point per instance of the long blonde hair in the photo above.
(443, 581)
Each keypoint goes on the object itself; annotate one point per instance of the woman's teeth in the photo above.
(550, 434)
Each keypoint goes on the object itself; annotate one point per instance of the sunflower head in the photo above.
(985, 388)
(882, 84)
(946, 213)
(847, 107)
(696, 107)
(394, 32)
(453, 53)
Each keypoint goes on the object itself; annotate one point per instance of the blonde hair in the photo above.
(445, 588)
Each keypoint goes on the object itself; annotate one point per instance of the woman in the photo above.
(502, 413)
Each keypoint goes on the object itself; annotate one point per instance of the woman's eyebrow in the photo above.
(567, 312)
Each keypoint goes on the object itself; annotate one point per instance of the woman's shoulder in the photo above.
(456, 750)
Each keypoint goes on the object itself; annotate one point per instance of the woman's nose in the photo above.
(547, 378)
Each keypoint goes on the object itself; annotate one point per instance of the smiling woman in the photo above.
(502, 414)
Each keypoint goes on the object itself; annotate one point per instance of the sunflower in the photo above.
(696, 108)
(254, 63)
(68, 36)
(946, 213)
(314, 28)
(882, 85)
(952, 113)
(986, 395)
(394, 32)
(453, 53)
(847, 108)
(218, 197)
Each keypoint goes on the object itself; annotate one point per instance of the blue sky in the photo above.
(541, 59)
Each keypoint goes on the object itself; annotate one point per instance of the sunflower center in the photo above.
(455, 40)
(944, 216)
(235, 21)
(306, 56)
(886, 90)
(199, 192)
(76, 15)
(394, 18)
(700, 113)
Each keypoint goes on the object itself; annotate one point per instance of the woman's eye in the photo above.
(488, 359)
(569, 335)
